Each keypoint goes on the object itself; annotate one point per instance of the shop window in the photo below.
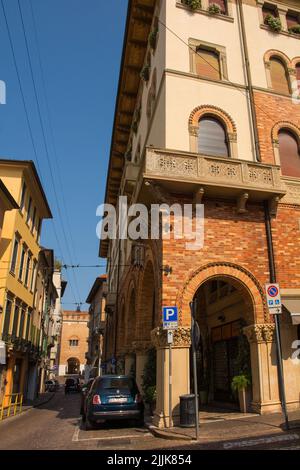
(212, 138)
(289, 153)
(279, 76)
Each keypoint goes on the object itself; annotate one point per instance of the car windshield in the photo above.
(115, 383)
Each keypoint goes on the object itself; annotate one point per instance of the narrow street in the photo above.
(57, 426)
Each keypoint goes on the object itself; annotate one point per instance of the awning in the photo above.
(292, 304)
(2, 353)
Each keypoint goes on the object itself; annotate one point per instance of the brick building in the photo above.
(73, 342)
(207, 112)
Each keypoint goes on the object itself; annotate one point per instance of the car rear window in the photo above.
(108, 383)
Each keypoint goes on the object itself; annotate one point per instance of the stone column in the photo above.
(180, 374)
(264, 367)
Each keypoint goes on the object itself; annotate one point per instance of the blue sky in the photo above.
(80, 45)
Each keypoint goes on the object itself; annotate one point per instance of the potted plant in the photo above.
(152, 38)
(214, 9)
(241, 385)
(145, 73)
(295, 29)
(273, 23)
(193, 4)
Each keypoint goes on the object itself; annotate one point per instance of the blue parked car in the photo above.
(113, 397)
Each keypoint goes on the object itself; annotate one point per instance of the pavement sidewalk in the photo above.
(227, 428)
(42, 399)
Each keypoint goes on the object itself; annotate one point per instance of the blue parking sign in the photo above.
(170, 318)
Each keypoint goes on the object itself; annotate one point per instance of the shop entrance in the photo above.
(223, 352)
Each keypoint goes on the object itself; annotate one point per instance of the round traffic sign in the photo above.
(273, 291)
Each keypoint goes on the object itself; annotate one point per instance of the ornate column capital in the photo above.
(260, 333)
(141, 346)
(181, 338)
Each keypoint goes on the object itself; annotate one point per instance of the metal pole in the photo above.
(276, 317)
(170, 385)
(192, 307)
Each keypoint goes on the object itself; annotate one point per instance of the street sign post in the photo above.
(274, 298)
(170, 323)
(195, 336)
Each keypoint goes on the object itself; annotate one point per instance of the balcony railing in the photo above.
(218, 176)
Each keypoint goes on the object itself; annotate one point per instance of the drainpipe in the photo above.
(248, 78)
(272, 269)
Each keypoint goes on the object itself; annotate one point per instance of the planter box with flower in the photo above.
(193, 4)
(273, 23)
(145, 73)
(295, 29)
(214, 9)
(153, 38)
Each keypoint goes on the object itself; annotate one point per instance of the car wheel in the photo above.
(89, 425)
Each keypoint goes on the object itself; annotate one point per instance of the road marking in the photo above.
(262, 440)
(75, 437)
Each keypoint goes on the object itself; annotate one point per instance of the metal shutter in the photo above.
(212, 138)
(207, 64)
(279, 76)
(289, 154)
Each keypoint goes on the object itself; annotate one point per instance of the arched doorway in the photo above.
(224, 308)
(73, 366)
(147, 313)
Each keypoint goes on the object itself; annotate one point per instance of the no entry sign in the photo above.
(274, 298)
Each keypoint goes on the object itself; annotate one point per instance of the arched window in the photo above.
(208, 63)
(279, 76)
(289, 153)
(212, 138)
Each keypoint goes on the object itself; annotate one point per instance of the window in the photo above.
(23, 193)
(33, 275)
(222, 4)
(28, 263)
(39, 228)
(6, 324)
(22, 263)
(73, 342)
(16, 320)
(14, 255)
(28, 323)
(212, 139)
(279, 77)
(292, 19)
(269, 9)
(33, 219)
(208, 63)
(22, 321)
(29, 210)
(289, 153)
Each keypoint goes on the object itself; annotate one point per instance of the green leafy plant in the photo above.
(214, 9)
(240, 382)
(295, 29)
(145, 73)
(149, 377)
(193, 4)
(273, 23)
(153, 38)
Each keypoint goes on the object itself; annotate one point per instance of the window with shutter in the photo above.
(289, 153)
(208, 64)
(279, 78)
(222, 4)
(212, 137)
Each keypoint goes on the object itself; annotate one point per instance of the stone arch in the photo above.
(130, 316)
(73, 366)
(295, 61)
(238, 276)
(280, 55)
(222, 116)
(146, 305)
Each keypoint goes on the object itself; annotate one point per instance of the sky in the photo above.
(75, 48)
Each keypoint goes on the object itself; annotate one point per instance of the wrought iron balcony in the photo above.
(215, 176)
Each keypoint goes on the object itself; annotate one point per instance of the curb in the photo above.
(168, 435)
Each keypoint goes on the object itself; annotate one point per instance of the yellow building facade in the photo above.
(19, 252)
